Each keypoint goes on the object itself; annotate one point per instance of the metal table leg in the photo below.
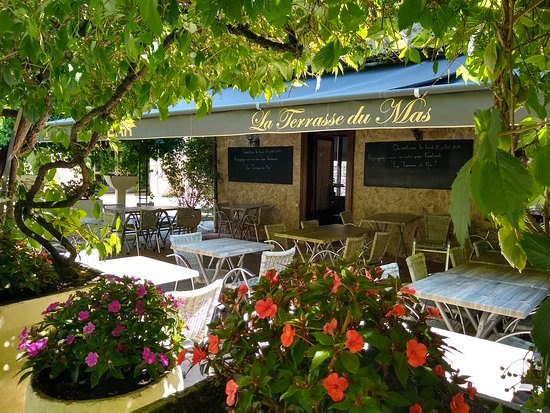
(202, 269)
(486, 323)
(444, 316)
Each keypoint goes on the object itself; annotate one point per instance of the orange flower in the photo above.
(243, 289)
(472, 391)
(222, 299)
(329, 328)
(231, 389)
(416, 353)
(416, 408)
(337, 283)
(198, 355)
(458, 405)
(354, 341)
(398, 311)
(433, 312)
(181, 356)
(439, 370)
(407, 290)
(288, 335)
(272, 276)
(213, 344)
(378, 270)
(266, 308)
(335, 386)
(373, 292)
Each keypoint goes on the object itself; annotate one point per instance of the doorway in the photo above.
(328, 172)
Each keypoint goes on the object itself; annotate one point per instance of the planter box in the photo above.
(13, 318)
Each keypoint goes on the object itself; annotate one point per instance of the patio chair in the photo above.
(312, 223)
(458, 256)
(434, 237)
(129, 230)
(279, 242)
(417, 266)
(198, 309)
(276, 260)
(378, 247)
(224, 219)
(481, 247)
(185, 259)
(149, 227)
(253, 222)
(346, 217)
(352, 249)
(187, 220)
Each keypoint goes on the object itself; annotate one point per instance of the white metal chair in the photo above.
(198, 309)
(276, 260)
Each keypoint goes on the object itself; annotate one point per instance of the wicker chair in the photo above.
(276, 260)
(224, 219)
(149, 227)
(312, 223)
(199, 307)
(254, 221)
(279, 242)
(187, 220)
(185, 259)
(346, 217)
(378, 247)
(458, 256)
(417, 266)
(481, 247)
(353, 248)
(435, 236)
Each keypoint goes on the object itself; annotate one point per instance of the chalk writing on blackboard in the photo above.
(262, 165)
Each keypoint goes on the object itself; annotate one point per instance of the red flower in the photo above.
(407, 290)
(416, 408)
(335, 386)
(398, 311)
(181, 357)
(272, 276)
(433, 312)
(243, 289)
(222, 299)
(337, 283)
(330, 328)
(416, 353)
(378, 270)
(373, 292)
(351, 269)
(266, 308)
(231, 389)
(439, 370)
(213, 344)
(198, 355)
(288, 335)
(354, 341)
(458, 405)
(472, 391)
(368, 274)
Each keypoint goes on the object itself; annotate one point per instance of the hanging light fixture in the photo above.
(253, 141)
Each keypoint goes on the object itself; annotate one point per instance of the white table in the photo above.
(223, 249)
(158, 272)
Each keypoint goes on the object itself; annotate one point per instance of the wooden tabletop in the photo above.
(495, 257)
(491, 288)
(223, 247)
(392, 218)
(324, 234)
(158, 272)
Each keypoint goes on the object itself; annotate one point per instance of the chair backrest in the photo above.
(390, 270)
(417, 266)
(346, 217)
(273, 229)
(198, 309)
(353, 247)
(312, 223)
(276, 260)
(379, 247)
(436, 228)
(148, 219)
(181, 239)
(188, 218)
(222, 214)
(480, 247)
(108, 219)
(458, 256)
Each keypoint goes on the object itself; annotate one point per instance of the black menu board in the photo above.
(268, 164)
(415, 164)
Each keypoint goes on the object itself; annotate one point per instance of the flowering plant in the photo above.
(317, 337)
(122, 329)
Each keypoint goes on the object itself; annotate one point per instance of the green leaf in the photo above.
(401, 368)
(408, 13)
(327, 57)
(130, 44)
(460, 202)
(319, 357)
(540, 166)
(350, 361)
(537, 249)
(436, 66)
(323, 338)
(490, 56)
(289, 393)
(149, 13)
(510, 247)
(541, 329)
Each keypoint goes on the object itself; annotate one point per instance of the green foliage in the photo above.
(131, 327)
(309, 324)
(6, 128)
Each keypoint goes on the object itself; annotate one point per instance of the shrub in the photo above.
(121, 330)
(330, 337)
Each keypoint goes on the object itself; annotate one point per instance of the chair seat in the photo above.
(432, 245)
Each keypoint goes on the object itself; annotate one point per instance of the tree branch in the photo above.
(527, 9)
(291, 46)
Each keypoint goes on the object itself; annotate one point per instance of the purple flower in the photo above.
(164, 360)
(114, 306)
(116, 331)
(177, 303)
(70, 339)
(160, 290)
(83, 315)
(51, 307)
(69, 301)
(23, 334)
(88, 328)
(23, 344)
(141, 291)
(34, 348)
(139, 307)
(91, 359)
(148, 356)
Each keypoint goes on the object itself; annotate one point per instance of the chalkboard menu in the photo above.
(269, 164)
(415, 164)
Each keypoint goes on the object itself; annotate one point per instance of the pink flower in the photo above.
(88, 328)
(148, 356)
(70, 339)
(164, 360)
(69, 301)
(51, 307)
(23, 334)
(23, 344)
(141, 291)
(114, 306)
(83, 315)
(116, 331)
(139, 307)
(91, 359)
(34, 348)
